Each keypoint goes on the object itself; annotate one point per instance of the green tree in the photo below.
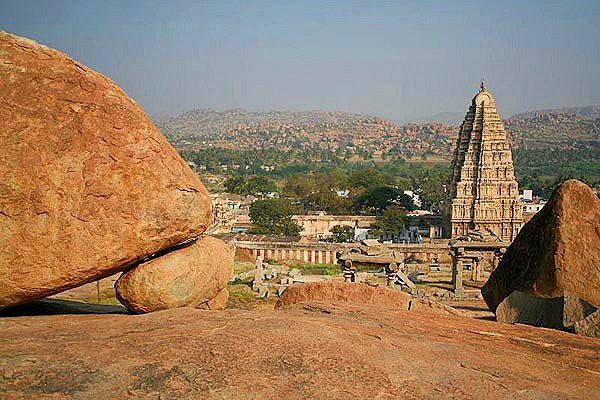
(365, 178)
(273, 216)
(379, 198)
(342, 233)
(391, 222)
(250, 185)
(431, 190)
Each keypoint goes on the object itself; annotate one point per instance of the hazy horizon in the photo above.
(398, 60)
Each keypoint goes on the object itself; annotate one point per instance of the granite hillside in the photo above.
(568, 128)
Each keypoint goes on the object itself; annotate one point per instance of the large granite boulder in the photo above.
(88, 186)
(556, 255)
(194, 276)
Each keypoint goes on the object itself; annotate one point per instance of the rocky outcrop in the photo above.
(344, 292)
(88, 186)
(333, 351)
(194, 276)
(555, 255)
(359, 293)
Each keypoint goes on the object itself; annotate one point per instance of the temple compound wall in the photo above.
(483, 191)
(325, 253)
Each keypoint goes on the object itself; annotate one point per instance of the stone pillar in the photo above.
(320, 256)
(476, 270)
(258, 273)
(459, 291)
(454, 257)
(305, 255)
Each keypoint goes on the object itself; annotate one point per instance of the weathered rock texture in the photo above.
(524, 308)
(360, 293)
(556, 255)
(88, 186)
(483, 189)
(193, 276)
(315, 351)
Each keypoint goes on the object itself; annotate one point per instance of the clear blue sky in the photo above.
(397, 59)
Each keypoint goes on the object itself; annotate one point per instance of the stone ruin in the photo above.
(273, 280)
(372, 253)
(481, 251)
(89, 188)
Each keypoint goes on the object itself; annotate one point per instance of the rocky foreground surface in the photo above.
(313, 350)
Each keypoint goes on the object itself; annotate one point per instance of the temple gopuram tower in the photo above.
(483, 189)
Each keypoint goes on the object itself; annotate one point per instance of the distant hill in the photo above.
(564, 128)
(568, 128)
(586, 112)
(284, 130)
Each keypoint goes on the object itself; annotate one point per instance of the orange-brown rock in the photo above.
(219, 302)
(556, 254)
(360, 293)
(88, 186)
(193, 276)
(319, 351)
(344, 292)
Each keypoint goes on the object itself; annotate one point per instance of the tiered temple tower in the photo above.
(483, 189)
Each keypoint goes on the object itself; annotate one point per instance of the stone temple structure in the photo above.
(483, 189)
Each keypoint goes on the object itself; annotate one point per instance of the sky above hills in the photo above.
(402, 60)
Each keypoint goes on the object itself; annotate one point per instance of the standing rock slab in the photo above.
(88, 186)
(555, 255)
(193, 276)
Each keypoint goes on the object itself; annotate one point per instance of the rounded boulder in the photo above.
(194, 276)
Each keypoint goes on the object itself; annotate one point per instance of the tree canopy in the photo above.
(342, 233)
(245, 185)
(273, 216)
(379, 198)
(390, 222)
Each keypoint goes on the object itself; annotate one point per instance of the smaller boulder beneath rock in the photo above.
(524, 308)
(589, 326)
(194, 276)
(219, 302)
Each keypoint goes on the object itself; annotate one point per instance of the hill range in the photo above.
(566, 128)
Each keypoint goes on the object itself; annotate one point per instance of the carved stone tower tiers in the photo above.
(483, 189)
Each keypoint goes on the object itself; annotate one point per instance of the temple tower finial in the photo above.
(482, 87)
